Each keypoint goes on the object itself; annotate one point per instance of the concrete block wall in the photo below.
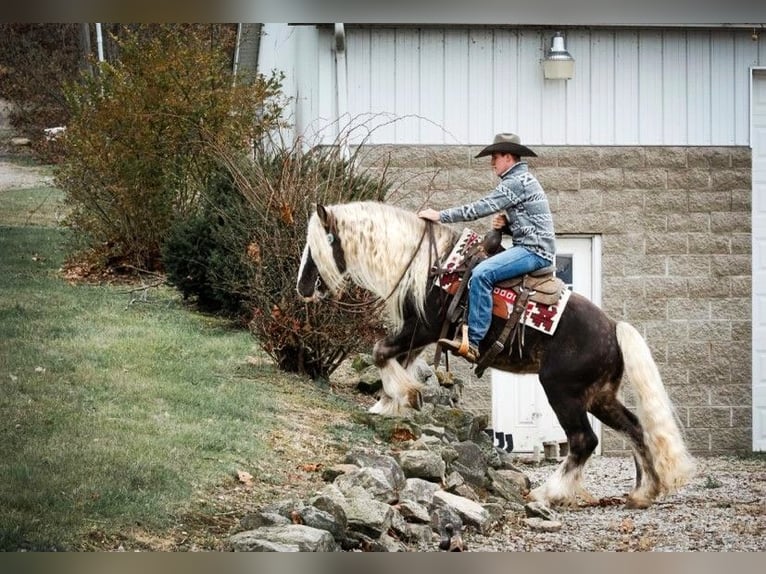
(675, 227)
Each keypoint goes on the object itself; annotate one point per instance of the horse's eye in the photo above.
(330, 238)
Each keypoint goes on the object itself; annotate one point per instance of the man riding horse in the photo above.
(521, 210)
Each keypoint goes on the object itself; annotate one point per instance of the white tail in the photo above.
(672, 462)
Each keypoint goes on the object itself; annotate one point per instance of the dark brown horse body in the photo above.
(580, 367)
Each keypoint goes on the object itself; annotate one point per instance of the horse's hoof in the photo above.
(637, 502)
(537, 495)
(586, 496)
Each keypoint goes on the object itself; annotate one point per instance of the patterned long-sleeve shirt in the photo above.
(521, 197)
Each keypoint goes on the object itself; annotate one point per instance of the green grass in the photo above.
(113, 415)
(32, 206)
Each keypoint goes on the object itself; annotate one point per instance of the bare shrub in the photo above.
(261, 236)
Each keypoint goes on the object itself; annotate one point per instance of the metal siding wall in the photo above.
(602, 87)
(359, 93)
(325, 82)
(745, 56)
(530, 77)
(432, 86)
(456, 89)
(407, 85)
(480, 85)
(722, 100)
(698, 110)
(381, 68)
(674, 81)
(626, 114)
(578, 92)
(460, 85)
(650, 98)
(505, 88)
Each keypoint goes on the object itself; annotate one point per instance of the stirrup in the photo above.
(461, 347)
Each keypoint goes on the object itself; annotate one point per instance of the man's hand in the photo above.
(429, 214)
(499, 221)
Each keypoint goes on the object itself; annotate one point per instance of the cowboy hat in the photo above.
(507, 143)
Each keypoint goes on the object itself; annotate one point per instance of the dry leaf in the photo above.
(245, 478)
(627, 526)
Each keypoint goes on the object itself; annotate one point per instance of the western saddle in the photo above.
(541, 286)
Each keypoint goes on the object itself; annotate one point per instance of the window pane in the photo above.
(564, 268)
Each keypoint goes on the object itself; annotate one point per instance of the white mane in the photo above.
(379, 242)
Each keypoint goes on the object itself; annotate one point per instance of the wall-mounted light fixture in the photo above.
(558, 63)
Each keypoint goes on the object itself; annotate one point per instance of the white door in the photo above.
(758, 145)
(519, 405)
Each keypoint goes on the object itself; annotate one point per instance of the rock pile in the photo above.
(437, 473)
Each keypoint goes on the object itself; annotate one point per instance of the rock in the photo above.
(541, 525)
(385, 462)
(433, 431)
(471, 463)
(255, 520)
(375, 481)
(537, 509)
(333, 507)
(443, 517)
(472, 513)
(427, 442)
(505, 486)
(368, 516)
(412, 511)
(457, 421)
(419, 490)
(420, 533)
(506, 461)
(284, 538)
(391, 544)
(316, 518)
(422, 464)
(466, 491)
(496, 511)
(369, 381)
(19, 141)
(390, 429)
(330, 473)
(361, 362)
(517, 477)
(453, 481)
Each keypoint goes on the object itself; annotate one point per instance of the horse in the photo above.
(391, 252)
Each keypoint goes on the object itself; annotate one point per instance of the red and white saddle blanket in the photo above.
(544, 318)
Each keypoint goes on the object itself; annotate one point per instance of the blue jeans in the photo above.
(500, 267)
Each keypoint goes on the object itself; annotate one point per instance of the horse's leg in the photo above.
(563, 486)
(401, 392)
(614, 414)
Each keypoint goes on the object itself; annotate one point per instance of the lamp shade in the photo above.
(558, 63)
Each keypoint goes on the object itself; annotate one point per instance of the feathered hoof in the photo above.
(542, 495)
(637, 502)
(586, 496)
(382, 407)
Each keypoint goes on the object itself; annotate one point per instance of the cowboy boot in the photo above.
(461, 347)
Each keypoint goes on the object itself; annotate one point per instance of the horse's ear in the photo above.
(322, 213)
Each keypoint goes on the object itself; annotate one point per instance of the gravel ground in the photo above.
(723, 509)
